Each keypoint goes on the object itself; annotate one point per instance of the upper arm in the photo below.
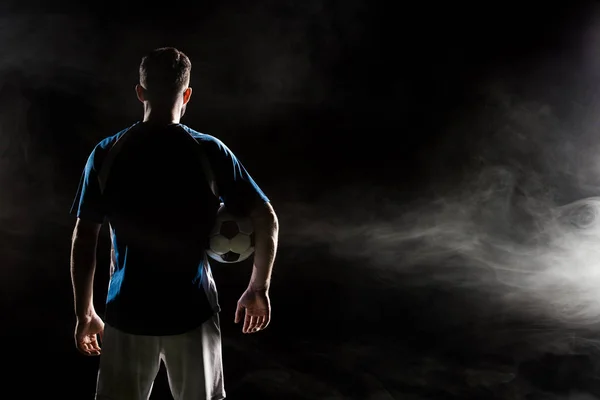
(89, 204)
(85, 229)
(237, 189)
(264, 212)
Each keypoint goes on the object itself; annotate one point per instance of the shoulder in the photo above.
(103, 147)
(211, 143)
(107, 143)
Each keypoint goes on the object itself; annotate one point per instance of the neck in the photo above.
(162, 115)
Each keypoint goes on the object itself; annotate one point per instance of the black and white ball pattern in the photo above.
(232, 238)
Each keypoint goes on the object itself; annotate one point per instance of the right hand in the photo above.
(88, 330)
(257, 305)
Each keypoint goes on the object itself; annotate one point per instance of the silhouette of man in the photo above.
(152, 184)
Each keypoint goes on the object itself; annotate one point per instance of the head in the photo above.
(164, 80)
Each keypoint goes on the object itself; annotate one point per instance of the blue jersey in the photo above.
(152, 186)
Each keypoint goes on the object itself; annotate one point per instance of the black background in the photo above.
(422, 160)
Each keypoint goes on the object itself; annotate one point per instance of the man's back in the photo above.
(157, 193)
(161, 209)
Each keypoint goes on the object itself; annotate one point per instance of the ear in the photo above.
(187, 93)
(141, 92)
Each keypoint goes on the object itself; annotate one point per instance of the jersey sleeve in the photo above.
(88, 203)
(237, 190)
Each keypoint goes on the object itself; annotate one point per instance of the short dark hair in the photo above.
(165, 71)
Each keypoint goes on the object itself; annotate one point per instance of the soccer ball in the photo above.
(232, 238)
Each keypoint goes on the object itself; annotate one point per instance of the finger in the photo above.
(86, 347)
(267, 320)
(83, 347)
(101, 335)
(80, 348)
(247, 322)
(253, 323)
(92, 349)
(89, 347)
(94, 352)
(260, 320)
(94, 343)
(239, 313)
(80, 344)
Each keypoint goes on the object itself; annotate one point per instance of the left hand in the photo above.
(257, 305)
(87, 332)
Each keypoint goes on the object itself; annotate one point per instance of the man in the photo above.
(155, 183)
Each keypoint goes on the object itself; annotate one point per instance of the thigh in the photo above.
(128, 365)
(194, 363)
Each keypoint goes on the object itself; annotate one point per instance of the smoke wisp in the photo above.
(511, 230)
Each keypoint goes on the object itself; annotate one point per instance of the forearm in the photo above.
(266, 231)
(83, 266)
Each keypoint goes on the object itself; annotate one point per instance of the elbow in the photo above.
(271, 216)
(265, 216)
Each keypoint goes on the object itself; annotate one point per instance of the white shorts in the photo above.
(193, 360)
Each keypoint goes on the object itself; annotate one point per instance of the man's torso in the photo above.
(160, 209)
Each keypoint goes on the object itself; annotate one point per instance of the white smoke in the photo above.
(515, 229)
